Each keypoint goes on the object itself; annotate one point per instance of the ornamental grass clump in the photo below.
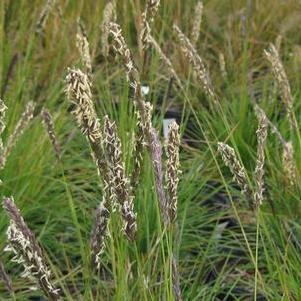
(167, 205)
(23, 244)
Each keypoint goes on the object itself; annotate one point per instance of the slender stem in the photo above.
(85, 259)
(256, 253)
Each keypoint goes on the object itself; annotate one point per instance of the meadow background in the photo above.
(225, 250)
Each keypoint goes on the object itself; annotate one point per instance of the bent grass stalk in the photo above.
(22, 124)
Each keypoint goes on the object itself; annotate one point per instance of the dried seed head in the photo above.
(289, 165)
(49, 126)
(230, 159)
(197, 64)
(285, 91)
(100, 226)
(40, 26)
(79, 92)
(259, 111)
(109, 15)
(156, 156)
(148, 15)
(166, 61)
(262, 133)
(22, 242)
(141, 140)
(138, 152)
(143, 108)
(119, 182)
(222, 65)
(197, 20)
(147, 122)
(22, 124)
(3, 109)
(278, 42)
(120, 46)
(172, 169)
(82, 44)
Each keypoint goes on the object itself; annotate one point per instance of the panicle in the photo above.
(23, 244)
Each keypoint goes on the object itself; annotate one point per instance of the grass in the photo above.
(225, 251)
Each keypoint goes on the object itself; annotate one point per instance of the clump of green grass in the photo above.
(218, 248)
